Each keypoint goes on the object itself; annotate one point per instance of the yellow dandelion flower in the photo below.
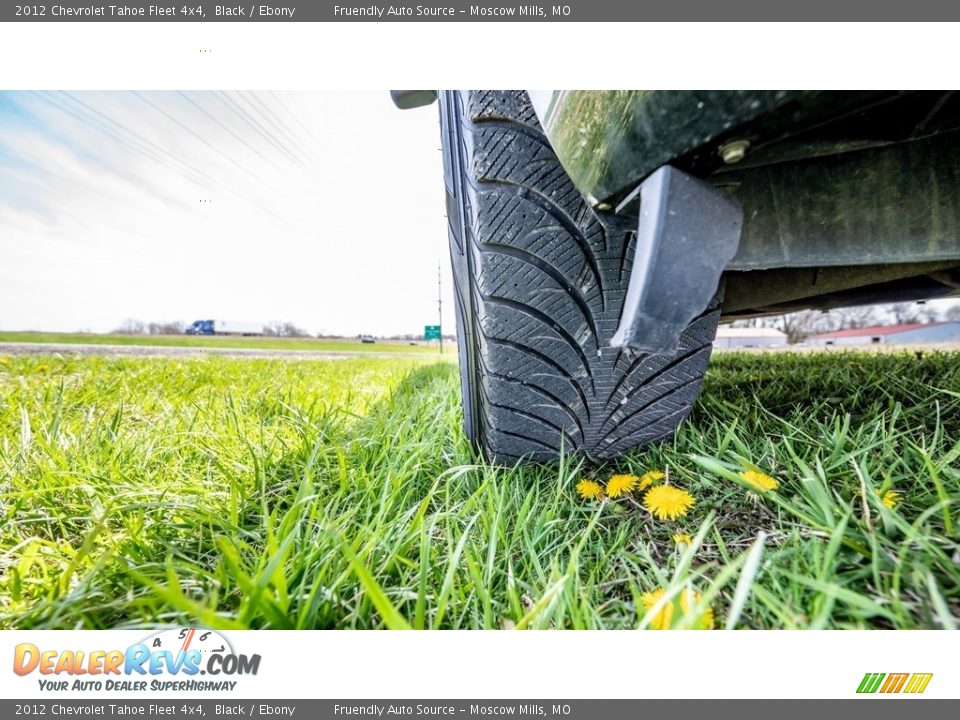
(688, 599)
(620, 484)
(667, 501)
(650, 478)
(759, 481)
(41, 368)
(589, 489)
(683, 538)
(890, 498)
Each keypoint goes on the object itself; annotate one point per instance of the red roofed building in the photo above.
(906, 334)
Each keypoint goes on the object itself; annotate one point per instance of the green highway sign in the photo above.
(431, 332)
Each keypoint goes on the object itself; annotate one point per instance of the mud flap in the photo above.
(688, 232)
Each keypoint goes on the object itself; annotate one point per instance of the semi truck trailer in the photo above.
(224, 327)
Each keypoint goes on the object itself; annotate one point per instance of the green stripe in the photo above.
(870, 682)
(878, 682)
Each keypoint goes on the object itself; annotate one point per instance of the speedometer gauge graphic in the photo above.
(177, 640)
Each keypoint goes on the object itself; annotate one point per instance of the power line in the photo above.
(271, 117)
(137, 136)
(166, 152)
(296, 119)
(190, 130)
(102, 128)
(232, 105)
(229, 130)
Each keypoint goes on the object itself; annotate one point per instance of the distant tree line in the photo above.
(284, 329)
(136, 327)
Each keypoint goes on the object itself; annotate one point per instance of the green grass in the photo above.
(341, 494)
(206, 341)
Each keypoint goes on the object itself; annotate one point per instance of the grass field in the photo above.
(238, 493)
(231, 342)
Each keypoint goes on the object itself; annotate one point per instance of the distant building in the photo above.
(907, 334)
(739, 337)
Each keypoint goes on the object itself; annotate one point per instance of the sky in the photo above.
(324, 209)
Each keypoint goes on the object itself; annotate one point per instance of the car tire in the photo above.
(540, 280)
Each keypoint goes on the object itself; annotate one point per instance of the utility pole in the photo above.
(440, 307)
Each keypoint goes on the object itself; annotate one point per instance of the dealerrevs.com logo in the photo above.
(169, 660)
(888, 683)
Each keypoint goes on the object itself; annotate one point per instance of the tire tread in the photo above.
(540, 280)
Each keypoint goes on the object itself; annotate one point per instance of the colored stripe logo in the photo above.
(913, 683)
